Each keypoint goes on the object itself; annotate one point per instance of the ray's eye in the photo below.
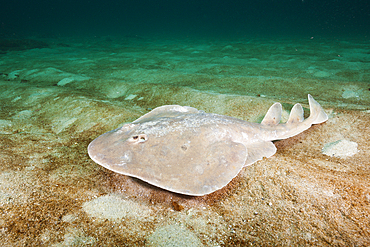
(139, 138)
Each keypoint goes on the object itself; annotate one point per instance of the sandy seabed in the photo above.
(56, 96)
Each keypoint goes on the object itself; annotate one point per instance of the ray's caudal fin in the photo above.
(317, 114)
(296, 123)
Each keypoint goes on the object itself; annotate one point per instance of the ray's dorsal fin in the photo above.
(166, 111)
(273, 115)
(296, 122)
(296, 114)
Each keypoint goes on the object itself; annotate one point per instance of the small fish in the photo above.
(187, 151)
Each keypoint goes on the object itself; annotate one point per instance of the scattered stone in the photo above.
(130, 97)
(342, 148)
(76, 237)
(350, 94)
(65, 81)
(173, 236)
(14, 75)
(321, 74)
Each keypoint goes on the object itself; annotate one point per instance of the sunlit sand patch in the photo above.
(114, 207)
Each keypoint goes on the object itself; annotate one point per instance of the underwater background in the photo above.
(73, 70)
(169, 19)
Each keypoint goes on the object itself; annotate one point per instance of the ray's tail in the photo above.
(296, 122)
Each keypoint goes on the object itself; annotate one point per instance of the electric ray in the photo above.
(187, 151)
